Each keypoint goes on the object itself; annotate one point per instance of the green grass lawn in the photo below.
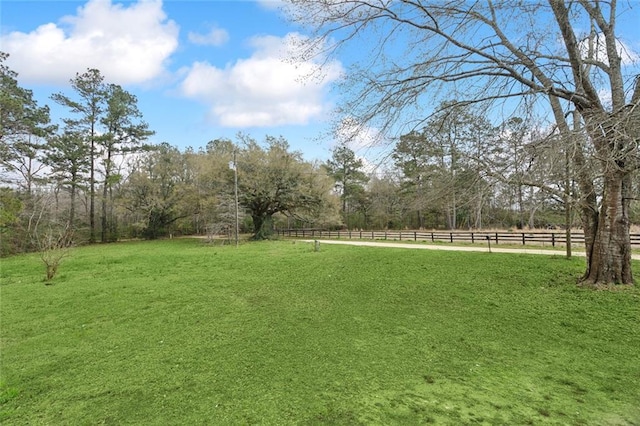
(180, 333)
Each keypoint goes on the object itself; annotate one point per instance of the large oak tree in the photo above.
(565, 55)
(272, 179)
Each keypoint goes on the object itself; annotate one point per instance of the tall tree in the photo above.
(68, 157)
(273, 180)
(387, 206)
(89, 106)
(216, 212)
(481, 51)
(10, 235)
(159, 192)
(125, 134)
(442, 162)
(346, 169)
(23, 127)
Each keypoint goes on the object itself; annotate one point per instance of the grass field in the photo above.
(181, 333)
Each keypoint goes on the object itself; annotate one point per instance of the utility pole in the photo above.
(235, 180)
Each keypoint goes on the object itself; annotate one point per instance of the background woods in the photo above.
(459, 171)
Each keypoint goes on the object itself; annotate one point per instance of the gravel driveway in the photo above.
(494, 249)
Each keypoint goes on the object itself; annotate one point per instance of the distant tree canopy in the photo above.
(348, 173)
(272, 180)
(452, 166)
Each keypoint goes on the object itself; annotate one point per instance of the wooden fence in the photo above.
(520, 237)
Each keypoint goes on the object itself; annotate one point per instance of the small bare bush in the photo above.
(53, 245)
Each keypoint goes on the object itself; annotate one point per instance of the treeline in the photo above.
(460, 171)
(94, 177)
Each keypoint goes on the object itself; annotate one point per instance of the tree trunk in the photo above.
(609, 261)
(606, 230)
(613, 134)
(262, 226)
(478, 219)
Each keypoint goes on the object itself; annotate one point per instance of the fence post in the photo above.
(451, 237)
(303, 233)
(523, 241)
(385, 235)
(553, 239)
(432, 240)
(415, 236)
(496, 238)
(472, 240)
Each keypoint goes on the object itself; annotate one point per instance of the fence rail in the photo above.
(521, 237)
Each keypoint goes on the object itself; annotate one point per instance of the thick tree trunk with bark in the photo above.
(610, 256)
(609, 252)
(262, 226)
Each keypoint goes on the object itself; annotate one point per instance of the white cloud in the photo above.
(215, 37)
(267, 89)
(127, 44)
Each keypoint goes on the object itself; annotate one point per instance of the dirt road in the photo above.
(494, 249)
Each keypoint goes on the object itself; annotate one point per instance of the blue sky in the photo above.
(200, 69)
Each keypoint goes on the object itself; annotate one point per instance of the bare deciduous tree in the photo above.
(480, 52)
